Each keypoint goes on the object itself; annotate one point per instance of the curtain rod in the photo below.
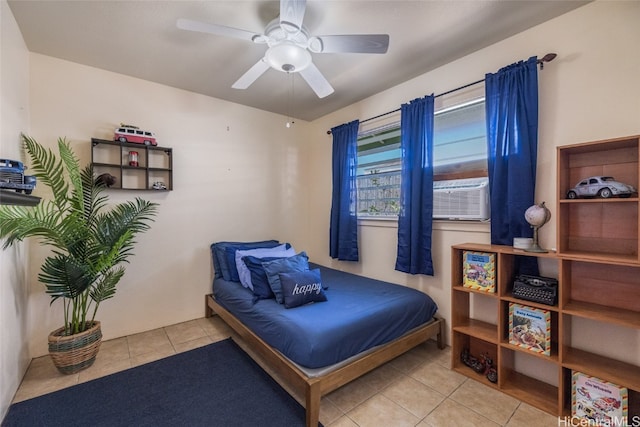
(547, 58)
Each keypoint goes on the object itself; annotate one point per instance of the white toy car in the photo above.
(601, 186)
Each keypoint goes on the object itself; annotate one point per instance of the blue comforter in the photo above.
(360, 313)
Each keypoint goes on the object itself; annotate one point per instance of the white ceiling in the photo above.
(140, 39)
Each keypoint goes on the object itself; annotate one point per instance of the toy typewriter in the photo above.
(543, 290)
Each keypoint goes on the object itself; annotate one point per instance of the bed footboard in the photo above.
(293, 379)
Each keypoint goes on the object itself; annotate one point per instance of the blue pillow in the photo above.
(218, 254)
(302, 287)
(299, 262)
(259, 280)
(243, 272)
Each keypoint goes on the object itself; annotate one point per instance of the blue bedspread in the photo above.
(360, 313)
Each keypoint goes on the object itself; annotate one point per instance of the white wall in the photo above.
(237, 176)
(14, 119)
(589, 92)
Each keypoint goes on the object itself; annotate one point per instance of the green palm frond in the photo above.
(65, 277)
(18, 223)
(105, 288)
(93, 198)
(115, 253)
(48, 170)
(89, 238)
(72, 166)
(125, 219)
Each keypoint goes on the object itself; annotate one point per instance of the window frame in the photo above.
(445, 104)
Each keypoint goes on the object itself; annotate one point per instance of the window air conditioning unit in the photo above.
(461, 199)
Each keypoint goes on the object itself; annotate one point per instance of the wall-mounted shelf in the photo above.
(155, 164)
(12, 197)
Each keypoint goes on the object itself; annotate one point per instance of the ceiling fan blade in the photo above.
(355, 43)
(316, 80)
(292, 15)
(251, 75)
(219, 30)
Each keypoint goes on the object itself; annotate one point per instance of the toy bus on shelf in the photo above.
(134, 135)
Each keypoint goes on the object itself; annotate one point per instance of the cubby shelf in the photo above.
(483, 337)
(598, 259)
(155, 164)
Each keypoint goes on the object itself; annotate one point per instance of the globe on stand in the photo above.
(537, 216)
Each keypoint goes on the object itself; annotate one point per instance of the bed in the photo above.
(316, 348)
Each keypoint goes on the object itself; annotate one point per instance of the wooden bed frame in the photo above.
(291, 378)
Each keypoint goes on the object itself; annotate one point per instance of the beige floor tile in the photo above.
(329, 412)
(528, 416)
(215, 327)
(350, 395)
(450, 413)
(42, 377)
(343, 421)
(438, 377)
(356, 392)
(152, 356)
(103, 367)
(113, 350)
(190, 345)
(409, 361)
(431, 350)
(183, 332)
(486, 401)
(41, 367)
(155, 341)
(442, 357)
(379, 411)
(413, 396)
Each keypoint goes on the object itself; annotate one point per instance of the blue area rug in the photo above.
(216, 385)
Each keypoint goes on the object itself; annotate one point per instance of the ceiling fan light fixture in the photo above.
(288, 57)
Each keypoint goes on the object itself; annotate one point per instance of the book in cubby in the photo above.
(479, 271)
(530, 328)
(598, 400)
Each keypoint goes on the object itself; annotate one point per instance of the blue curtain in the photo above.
(512, 142)
(343, 231)
(416, 191)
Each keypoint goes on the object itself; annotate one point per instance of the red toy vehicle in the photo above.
(134, 135)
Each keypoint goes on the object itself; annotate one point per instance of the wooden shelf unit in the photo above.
(602, 229)
(598, 279)
(154, 164)
(480, 337)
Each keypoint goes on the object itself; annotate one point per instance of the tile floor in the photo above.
(415, 389)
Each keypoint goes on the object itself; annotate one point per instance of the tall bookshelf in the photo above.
(598, 279)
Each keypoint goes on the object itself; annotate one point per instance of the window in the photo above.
(460, 151)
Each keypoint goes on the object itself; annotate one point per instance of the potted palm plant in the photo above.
(90, 242)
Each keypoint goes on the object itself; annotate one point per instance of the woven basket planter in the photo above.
(73, 353)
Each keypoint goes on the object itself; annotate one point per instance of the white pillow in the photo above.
(243, 271)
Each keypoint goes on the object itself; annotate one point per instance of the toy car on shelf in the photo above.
(159, 185)
(601, 186)
(12, 176)
(134, 135)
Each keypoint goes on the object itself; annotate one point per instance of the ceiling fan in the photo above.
(290, 46)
